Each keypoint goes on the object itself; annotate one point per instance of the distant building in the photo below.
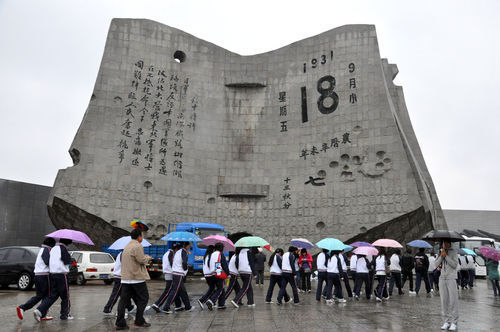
(460, 220)
(23, 213)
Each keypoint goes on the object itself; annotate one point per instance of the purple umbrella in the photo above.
(75, 236)
(490, 252)
(302, 243)
(360, 244)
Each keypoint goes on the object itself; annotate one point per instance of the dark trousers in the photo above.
(178, 289)
(395, 279)
(382, 286)
(360, 279)
(219, 294)
(472, 274)
(211, 289)
(163, 296)
(59, 288)
(42, 287)
(305, 280)
(246, 288)
(407, 275)
(288, 278)
(347, 284)
(464, 278)
(322, 278)
(436, 273)
(138, 293)
(233, 284)
(430, 275)
(275, 280)
(115, 294)
(496, 287)
(418, 280)
(260, 277)
(333, 281)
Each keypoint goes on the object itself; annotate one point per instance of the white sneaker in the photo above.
(269, 302)
(234, 304)
(108, 313)
(69, 318)
(202, 307)
(289, 300)
(453, 327)
(154, 307)
(251, 305)
(412, 293)
(37, 314)
(378, 299)
(134, 309)
(445, 326)
(341, 300)
(329, 301)
(386, 298)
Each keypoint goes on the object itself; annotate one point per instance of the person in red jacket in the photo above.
(305, 265)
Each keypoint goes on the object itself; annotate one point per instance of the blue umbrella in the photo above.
(419, 244)
(348, 248)
(181, 237)
(331, 244)
(122, 242)
(469, 251)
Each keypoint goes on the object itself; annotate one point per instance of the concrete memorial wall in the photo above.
(309, 140)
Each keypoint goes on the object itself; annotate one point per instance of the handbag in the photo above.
(219, 272)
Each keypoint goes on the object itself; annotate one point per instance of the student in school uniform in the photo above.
(275, 264)
(430, 271)
(321, 263)
(334, 269)
(395, 272)
(233, 278)
(218, 261)
(471, 269)
(288, 275)
(42, 279)
(344, 275)
(179, 272)
(362, 276)
(59, 262)
(245, 264)
(352, 268)
(167, 260)
(208, 273)
(381, 267)
(117, 287)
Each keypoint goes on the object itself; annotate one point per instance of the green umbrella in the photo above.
(251, 241)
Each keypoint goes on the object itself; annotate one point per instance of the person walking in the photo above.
(42, 279)
(421, 270)
(321, 264)
(381, 266)
(305, 264)
(471, 270)
(134, 276)
(395, 268)
(218, 264)
(288, 275)
(275, 267)
(407, 265)
(448, 293)
(179, 272)
(362, 276)
(334, 269)
(353, 260)
(59, 261)
(260, 259)
(493, 275)
(464, 272)
(233, 278)
(117, 287)
(343, 275)
(167, 261)
(208, 273)
(430, 270)
(245, 263)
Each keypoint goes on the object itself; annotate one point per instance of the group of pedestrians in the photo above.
(51, 281)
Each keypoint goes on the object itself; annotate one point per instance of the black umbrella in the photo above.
(437, 235)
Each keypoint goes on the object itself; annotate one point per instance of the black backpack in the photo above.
(419, 263)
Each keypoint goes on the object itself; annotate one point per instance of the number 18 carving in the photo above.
(328, 100)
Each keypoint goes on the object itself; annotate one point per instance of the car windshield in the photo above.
(204, 232)
(101, 258)
(34, 250)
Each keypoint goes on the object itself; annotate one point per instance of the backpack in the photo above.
(219, 272)
(419, 263)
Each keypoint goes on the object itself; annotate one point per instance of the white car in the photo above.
(94, 265)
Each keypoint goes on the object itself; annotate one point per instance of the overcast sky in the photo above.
(448, 54)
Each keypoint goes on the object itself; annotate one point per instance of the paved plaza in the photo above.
(479, 311)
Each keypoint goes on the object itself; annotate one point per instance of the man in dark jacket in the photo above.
(260, 259)
(407, 265)
(421, 267)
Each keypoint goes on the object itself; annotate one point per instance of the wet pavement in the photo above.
(479, 311)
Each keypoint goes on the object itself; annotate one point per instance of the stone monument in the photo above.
(310, 140)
